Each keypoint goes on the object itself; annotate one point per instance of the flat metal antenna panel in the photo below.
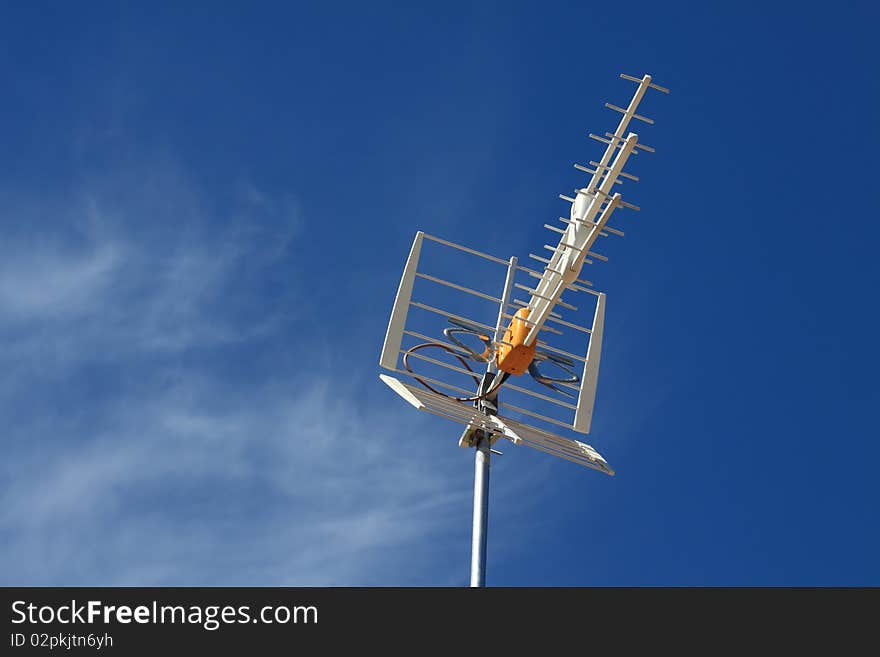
(499, 426)
(583, 415)
(394, 334)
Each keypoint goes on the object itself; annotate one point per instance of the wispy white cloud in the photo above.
(287, 486)
(128, 460)
(138, 272)
(43, 286)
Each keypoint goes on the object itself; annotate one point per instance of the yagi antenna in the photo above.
(458, 347)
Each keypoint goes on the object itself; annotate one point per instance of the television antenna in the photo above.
(518, 341)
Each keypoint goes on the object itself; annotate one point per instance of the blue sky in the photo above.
(205, 212)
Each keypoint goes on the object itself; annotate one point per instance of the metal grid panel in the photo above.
(516, 432)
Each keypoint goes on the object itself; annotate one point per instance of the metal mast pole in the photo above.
(483, 455)
(481, 513)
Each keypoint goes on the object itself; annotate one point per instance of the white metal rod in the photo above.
(460, 288)
(454, 408)
(638, 146)
(428, 338)
(434, 381)
(562, 244)
(526, 288)
(528, 271)
(477, 424)
(576, 449)
(571, 448)
(581, 460)
(465, 249)
(581, 222)
(431, 309)
(534, 293)
(505, 301)
(522, 304)
(541, 436)
(510, 386)
(563, 353)
(440, 363)
(445, 405)
(535, 274)
(532, 324)
(536, 415)
(566, 305)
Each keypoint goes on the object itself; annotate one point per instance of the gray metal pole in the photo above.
(483, 457)
(481, 513)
